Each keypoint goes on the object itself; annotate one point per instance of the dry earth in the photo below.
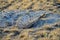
(51, 5)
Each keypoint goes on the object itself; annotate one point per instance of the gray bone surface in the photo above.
(24, 19)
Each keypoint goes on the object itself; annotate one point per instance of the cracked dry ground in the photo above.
(47, 32)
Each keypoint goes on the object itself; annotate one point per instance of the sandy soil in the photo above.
(30, 4)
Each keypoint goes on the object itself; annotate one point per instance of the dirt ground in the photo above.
(49, 5)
